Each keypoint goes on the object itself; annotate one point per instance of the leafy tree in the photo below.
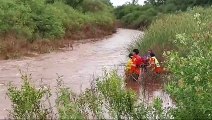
(128, 13)
(74, 3)
(134, 2)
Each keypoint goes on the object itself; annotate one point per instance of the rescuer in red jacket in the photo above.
(137, 61)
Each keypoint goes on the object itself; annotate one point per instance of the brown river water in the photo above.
(78, 67)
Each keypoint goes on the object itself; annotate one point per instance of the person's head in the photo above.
(130, 55)
(152, 54)
(136, 51)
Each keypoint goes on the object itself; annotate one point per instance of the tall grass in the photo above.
(162, 32)
(184, 41)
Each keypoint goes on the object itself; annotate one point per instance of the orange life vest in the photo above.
(155, 65)
(135, 68)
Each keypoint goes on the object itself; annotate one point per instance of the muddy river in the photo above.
(77, 67)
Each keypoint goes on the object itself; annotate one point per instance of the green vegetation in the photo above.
(162, 32)
(138, 16)
(38, 19)
(27, 101)
(192, 69)
(183, 40)
(31, 21)
(107, 98)
(186, 39)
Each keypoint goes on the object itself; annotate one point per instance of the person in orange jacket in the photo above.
(137, 61)
(154, 64)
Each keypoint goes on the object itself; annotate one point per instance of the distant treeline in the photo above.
(141, 16)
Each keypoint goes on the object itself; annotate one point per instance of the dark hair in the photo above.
(136, 51)
(130, 55)
(152, 54)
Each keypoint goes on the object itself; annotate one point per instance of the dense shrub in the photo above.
(30, 19)
(27, 102)
(106, 99)
(38, 19)
(187, 39)
(13, 19)
(191, 66)
(93, 6)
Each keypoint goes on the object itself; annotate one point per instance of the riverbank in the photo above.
(77, 67)
(79, 70)
(15, 49)
(34, 27)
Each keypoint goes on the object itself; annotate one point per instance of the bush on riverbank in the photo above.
(107, 98)
(186, 38)
(35, 20)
